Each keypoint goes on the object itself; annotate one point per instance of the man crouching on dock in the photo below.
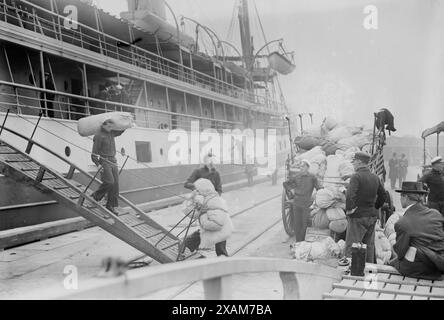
(104, 154)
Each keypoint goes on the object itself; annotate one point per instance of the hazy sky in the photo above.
(342, 68)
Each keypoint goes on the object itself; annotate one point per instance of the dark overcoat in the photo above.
(423, 229)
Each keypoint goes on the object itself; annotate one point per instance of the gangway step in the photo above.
(133, 226)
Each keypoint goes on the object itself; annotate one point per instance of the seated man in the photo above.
(419, 236)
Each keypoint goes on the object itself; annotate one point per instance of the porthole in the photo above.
(161, 151)
(67, 151)
(123, 151)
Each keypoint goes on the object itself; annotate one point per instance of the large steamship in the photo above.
(61, 60)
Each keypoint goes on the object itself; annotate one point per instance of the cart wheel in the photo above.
(287, 217)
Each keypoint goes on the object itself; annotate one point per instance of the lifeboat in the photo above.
(280, 63)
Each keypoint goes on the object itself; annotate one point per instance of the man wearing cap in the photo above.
(419, 246)
(435, 182)
(302, 184)
(208, 171)
(104, 154)
(365, 195)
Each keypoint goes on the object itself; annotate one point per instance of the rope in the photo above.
(260, 24)
(281, 94)
(232, 23)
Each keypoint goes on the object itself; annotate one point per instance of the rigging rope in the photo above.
(230, 32)
(281, 94)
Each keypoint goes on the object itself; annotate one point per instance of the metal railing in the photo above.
(73, 107)
(49, 24)
(69, 106)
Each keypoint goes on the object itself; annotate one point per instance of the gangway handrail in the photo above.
(215, 273)
(83, 172)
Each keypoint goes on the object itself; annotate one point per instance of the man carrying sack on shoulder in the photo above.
(419, 243)
(104, 154)
(365, 195)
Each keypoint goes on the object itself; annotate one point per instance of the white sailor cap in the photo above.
(436, 160)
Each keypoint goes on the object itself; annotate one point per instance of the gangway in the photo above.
(132, 226)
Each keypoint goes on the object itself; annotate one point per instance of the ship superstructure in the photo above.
(61, 60)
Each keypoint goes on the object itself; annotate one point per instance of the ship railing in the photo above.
(68, 106)
(49, 24)
(28, 99)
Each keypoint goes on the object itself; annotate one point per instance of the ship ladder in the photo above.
(132, 226)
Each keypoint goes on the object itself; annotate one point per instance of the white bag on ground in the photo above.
(319, 250)
(301, 251)
(91, 125)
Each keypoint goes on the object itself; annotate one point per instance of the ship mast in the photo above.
(246, 38)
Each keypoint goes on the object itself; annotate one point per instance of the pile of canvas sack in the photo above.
(332, 136)
(328, 211)
(319, 250)
(330, 149)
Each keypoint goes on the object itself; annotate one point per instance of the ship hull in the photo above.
(141, 183)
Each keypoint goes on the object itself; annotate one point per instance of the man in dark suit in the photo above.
(419, 236)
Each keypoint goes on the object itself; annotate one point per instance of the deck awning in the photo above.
(436, 129)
